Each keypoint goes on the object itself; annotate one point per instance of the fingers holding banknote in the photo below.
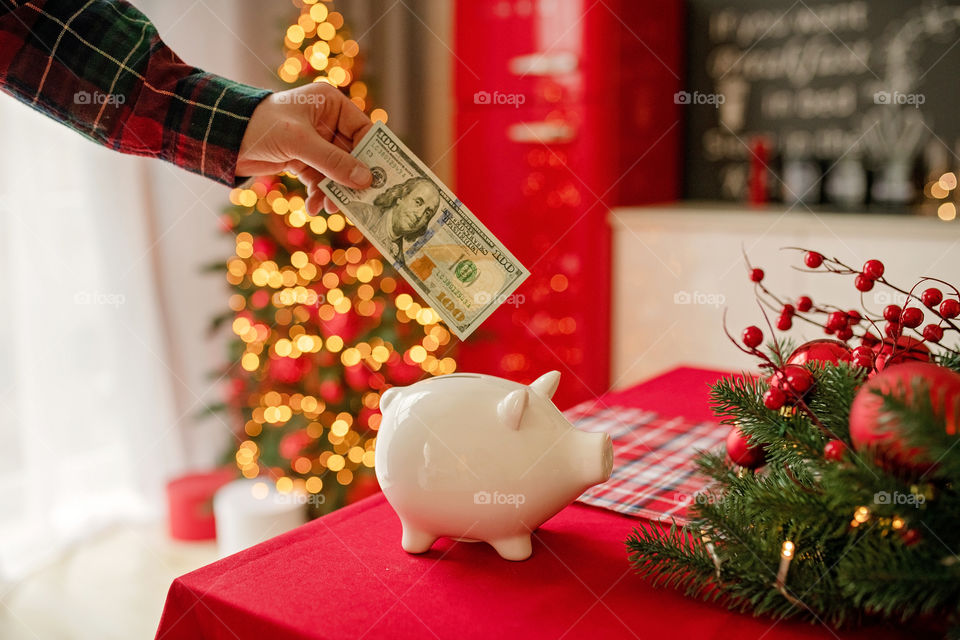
(308, 131)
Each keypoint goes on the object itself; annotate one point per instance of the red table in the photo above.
(345, 576)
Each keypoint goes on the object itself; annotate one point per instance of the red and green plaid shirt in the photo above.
(100, 67)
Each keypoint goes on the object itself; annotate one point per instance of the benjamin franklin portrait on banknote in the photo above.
(399, 215)
(436, 243)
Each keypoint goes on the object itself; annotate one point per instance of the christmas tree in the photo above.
(322, 325)
(838, 497)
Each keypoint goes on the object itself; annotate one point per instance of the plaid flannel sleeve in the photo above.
(100, 67)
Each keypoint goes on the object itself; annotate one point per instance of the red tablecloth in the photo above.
(345, 576)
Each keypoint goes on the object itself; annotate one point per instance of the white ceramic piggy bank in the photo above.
(475, 457)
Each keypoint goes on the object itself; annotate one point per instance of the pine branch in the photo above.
(675, 558)
(911, 412)
(788, 438)
(833, 391)
(880, 574)
(950, 360)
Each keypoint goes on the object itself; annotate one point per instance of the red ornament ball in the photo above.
(260, 298)
(331, 391)
(870, 429)
(376, 381)
(798, 378)
(834, 450)
(950, 308)
(237, 388)
(873, 269)
(357, 377)
(931, 297)
(822, 351)
(863, 283)
(297, 236)
(804, 303)
(774, 398)
(293, 443)
(401, 373)
(812, 259)
(863, 356)
(794, 381)
(288, 370)
(902, 349)
(756, 275)
(345, 325)
(910, 537)
(752, 337)
(264, 247)
(742, 453)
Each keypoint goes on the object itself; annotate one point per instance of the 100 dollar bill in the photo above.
(452, 260)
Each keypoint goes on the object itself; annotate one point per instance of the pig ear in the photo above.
(546, 385)
(387, 397)
(510, 409)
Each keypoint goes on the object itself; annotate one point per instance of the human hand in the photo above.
(308, 131)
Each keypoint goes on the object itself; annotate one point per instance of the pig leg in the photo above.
(513, 548)
(415, 540)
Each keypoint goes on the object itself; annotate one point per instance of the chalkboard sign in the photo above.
(855, 102)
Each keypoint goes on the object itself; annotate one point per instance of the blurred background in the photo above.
(165, 336)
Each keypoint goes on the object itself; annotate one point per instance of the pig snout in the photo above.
(596, 450)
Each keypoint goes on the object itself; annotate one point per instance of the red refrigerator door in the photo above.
(545, 146)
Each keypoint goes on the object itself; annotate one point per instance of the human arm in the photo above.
(100, 67)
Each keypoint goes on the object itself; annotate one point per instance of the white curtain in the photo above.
(104, 359)
(87, 425)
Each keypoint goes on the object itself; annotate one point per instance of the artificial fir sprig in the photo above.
(830, 529)
(747, 516)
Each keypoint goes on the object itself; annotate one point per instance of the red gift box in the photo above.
(190, 503)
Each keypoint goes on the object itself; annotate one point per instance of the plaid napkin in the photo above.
(654, 476)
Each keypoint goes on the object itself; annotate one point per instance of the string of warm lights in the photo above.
(322, 328)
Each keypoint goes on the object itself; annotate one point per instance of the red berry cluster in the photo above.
(789, 383)
(791, 379)
(877, 347)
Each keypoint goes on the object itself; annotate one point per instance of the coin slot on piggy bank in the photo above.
(476, 457)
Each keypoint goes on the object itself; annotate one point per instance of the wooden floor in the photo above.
(110, 587)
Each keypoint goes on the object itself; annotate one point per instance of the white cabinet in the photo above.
(677, 267)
